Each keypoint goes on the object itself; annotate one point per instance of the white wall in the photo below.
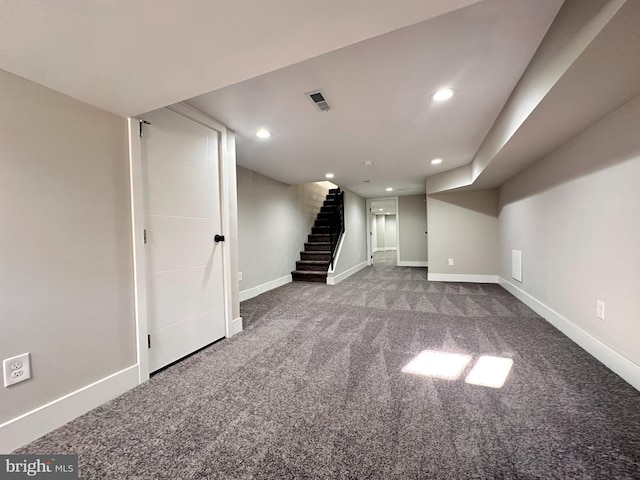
(353, 250)
(231, 186)
(390, 229)
(274, 220)
(385, 228)
(66, 279)
(575, 215)
(412, 225)
(379, 227)
(463, 226)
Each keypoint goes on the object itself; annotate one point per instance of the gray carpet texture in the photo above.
(385, 258)
(313, 388)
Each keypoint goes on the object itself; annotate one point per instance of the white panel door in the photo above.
(182, 216)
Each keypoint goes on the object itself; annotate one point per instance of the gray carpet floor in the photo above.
(386, 258)
(313, 388)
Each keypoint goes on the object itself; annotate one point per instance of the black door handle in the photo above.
(218, 238)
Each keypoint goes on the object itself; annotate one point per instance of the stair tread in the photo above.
(316, 258)
(324, 256)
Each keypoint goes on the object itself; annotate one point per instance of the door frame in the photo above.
(370, 216)
(228, 207)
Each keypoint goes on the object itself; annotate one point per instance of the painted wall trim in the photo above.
(461, 277)
(622, 366)
(333, 279)
(31, 425)
(236, 326)
(265, 287)
(413, 264)
(139, 256)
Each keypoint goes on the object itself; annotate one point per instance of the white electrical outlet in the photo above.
(16, 369)
(451, 262)
(600, 309)
(239, 276)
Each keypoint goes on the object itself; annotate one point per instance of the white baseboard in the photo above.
(616, 362)
(413, 264)
(32, 425)
(236, 326)
(333, 279)
(461, 277)
(265, 287)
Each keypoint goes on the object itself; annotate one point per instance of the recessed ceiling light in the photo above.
(329, 175)
(436, 161)
(389, 189)
(380, 209)
(263, 133)
(367, 164)
(443, 94)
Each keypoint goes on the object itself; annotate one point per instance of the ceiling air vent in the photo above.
(319, 99)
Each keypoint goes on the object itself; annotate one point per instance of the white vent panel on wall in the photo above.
(516, 265)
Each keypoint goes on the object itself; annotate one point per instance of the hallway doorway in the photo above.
(383, 228)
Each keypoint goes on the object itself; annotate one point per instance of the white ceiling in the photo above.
(602, 79)
(379, 92)
(383, 206)
(131, 57)
(248, 63)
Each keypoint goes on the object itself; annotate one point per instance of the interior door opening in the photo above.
(382, 224)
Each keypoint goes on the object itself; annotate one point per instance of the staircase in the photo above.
(320, 248)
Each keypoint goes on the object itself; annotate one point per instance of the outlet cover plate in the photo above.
(16, 369)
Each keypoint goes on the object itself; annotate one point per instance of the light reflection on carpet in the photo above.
(438, 364)
(487, 371)
(490, 371)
